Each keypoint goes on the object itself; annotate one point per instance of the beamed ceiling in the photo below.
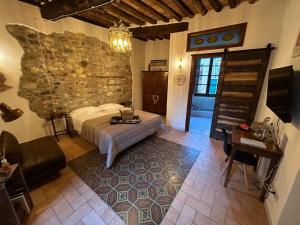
(106, 13)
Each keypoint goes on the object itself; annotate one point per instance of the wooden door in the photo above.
(239, 88)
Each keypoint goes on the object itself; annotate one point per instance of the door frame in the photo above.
(192, 83)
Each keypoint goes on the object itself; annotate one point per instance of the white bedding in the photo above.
(79, 116)
(94, 125)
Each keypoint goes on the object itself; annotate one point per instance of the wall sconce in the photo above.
(179, 63)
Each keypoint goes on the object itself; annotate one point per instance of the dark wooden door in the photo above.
(155, 88)
(239, 88)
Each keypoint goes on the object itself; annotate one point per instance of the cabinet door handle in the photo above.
(155, 99)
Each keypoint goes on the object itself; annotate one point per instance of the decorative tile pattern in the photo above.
(143, 181)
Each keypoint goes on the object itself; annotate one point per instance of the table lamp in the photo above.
(8, 114)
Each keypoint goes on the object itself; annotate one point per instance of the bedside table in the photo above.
(15, 200)
(66, 120)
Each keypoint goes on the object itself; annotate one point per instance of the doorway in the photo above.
(203, 89)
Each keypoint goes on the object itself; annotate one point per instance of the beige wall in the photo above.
(30, 126)
(137, 66)
(158, 49)
(269, 21)
(264, 26)
(285, 209)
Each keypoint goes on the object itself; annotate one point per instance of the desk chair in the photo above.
(242, 157)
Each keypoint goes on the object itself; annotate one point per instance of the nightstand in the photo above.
(54, 118)
(15, 200)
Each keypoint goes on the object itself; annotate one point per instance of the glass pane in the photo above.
(205, 62)
(213, 82)
(202, 79)
(203, 70)
(217, 61)
(212, 89)
(201, 89)
(215, 70)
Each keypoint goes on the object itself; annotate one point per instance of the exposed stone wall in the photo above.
(81, 71)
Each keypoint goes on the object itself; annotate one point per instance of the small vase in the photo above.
(5, 165)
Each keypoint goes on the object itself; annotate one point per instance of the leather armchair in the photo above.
(38, 158)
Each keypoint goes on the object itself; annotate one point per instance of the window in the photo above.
(207, 75)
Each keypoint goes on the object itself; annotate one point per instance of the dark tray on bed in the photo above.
(118, 120)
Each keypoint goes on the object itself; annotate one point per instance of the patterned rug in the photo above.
(143, 180)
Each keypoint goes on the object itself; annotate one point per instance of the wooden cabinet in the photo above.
(155, 90)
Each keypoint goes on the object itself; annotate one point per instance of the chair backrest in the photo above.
(11, 146)
(226, 145)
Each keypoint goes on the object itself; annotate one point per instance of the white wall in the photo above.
(137, 65)
(30, 126)
(158, 49)
(269, 21)
(264, 26)
(285, 209)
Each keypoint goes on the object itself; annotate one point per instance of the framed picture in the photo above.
(296, 51)
(222, 37)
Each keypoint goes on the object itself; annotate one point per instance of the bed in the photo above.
(93, 124)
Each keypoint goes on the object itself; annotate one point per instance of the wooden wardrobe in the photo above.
(155, 90)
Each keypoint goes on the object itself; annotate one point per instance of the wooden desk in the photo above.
(272, 152)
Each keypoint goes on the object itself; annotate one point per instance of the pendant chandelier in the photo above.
(120, 38)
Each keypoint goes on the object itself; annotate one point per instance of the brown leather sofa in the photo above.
(38, 158)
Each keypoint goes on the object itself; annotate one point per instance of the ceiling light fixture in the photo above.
(120, 38)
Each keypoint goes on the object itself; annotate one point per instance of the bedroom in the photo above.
(76, 68)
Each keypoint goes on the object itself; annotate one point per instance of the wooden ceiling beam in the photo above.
(166, 8)
(32, 2)
(99, 17)
(123, 15)
(88, 20)
(200, 7)
(141, 4)
(164, 30)
(108, 16)
(136, 13)
(216, 5)
(184, 8)
(57, 9)
(232, 3)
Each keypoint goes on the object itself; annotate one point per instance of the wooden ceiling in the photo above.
(106, 13)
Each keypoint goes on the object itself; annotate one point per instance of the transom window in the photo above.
(207, 76)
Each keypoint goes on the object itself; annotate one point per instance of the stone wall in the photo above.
(78, 71)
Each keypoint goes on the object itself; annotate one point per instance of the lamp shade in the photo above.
(9, 114)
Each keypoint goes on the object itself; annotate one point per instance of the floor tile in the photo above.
(77, 215)
(92, 218)
(201, 219)
(108, 215)
(199, 206)
(62, 209)
(242, 206)
(186, 216)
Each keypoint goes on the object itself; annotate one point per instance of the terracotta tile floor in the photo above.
(202, 200)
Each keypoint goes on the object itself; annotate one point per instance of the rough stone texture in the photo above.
(80, 71)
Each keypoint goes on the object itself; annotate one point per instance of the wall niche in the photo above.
(66, 71)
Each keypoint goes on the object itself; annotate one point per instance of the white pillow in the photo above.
(86, 110)
(110, 106)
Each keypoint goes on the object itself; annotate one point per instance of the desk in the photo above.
(272, 152)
